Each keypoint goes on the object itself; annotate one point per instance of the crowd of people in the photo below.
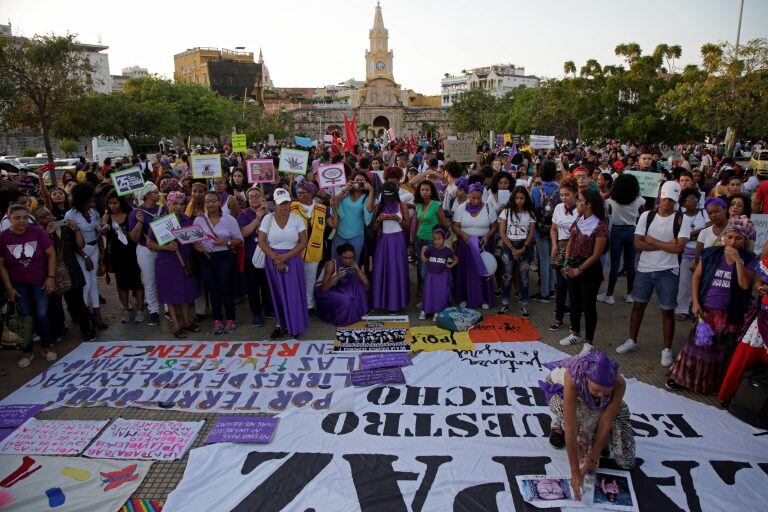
(407, 227)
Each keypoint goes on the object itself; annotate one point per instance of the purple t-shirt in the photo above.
(24, 255)
(437, 259)
(246, 217)
(150, 214)
(720, 290)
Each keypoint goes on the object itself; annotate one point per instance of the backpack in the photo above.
(458, 319)
(676, 225)
(544, 212)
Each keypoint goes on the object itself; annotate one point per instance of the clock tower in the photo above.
(378, 60)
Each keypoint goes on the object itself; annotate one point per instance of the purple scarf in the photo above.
(594, 366)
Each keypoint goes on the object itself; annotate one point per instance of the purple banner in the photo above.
(5, 432)
(377, 376)
(12, 416)
(239, 429)
(384, 360)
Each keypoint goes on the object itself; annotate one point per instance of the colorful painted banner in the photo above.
(15, 415)
(145, 440)
(373, 334)
(456, 437)
(67, 484)
(206, 377)
(163, 228)
(240, 429)
(142, 505)
(293, 161)
(496, 328)
(432, 338)
(51, 437)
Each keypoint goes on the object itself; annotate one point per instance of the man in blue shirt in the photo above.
(545, 195)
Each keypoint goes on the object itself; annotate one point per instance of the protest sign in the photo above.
(293, 161)
(15, 415)
(497, 328)
(505, 194)
(541, 141)
(614, 491)
(206, 166)
(649, 182)
(761, 230)
(328, 138)
(304, 142)
(51, 437)
(260, 170)
(507, 137)
(373, 334)
(189, 235)
(384, 360)
(239, 429)
(271, 139)
(331, 175)
(127, 181)
(239, 143)
(460, 150)
(67, 484)
(204, 377)
(163, 228)
(144, 440)
(362, 378)
(431, 338)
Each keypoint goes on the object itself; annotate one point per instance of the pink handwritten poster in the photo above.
(145, 440)
(51, 437)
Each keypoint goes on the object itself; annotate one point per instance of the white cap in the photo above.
(670, 190)
(280, 195)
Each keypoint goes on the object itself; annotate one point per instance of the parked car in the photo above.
(759, 162)
(8, 167)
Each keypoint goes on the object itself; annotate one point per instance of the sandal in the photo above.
(193, 327)
(180, 334)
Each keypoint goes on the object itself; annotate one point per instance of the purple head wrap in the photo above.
(462, 183)
(309, 187)
(742, 225)
(443, 232)
(476, 187)
(716, 201)
(594, 366)
(175, 196)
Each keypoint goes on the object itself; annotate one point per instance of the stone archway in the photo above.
(380, 125)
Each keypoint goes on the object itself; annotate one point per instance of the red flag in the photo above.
(350, 133)
(412, 145)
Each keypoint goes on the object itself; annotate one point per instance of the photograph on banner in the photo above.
(51, 437)
(544, 491)
(239, 429)
(460, 150)
(206, 166)
(260, 170)
(614, 491)
(144, 440)
(649, 182)
(293, 161)
(541, 141)
(432, 338)
(189, 235)
(68, 484)
(373, 334)
(331, 175)
(761, 230)
(239, 144)
(127, 181)
(163, 228)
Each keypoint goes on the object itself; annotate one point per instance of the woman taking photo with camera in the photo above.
(352, 211)
(341, 297)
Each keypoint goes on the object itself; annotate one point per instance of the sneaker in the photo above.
(125, 317)
(672, 385)
(628, 299)
(50, 356)
(524, 312)
(557, 439)
(422, 316)
(229, 326)
(269, 314)
(25, 360)
(463, 304)
(571, 339)
(257, 320)
(544, 299)
(154, 318)
(218, 327)
(627, 346)
(608, 299)
(140, 317)
(504, 309)
(587, 348)
(666, 357)
(485, 306)
(556, 326)
(36, 338)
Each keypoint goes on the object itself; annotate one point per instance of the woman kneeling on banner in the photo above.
(341, 297)
(585, 395)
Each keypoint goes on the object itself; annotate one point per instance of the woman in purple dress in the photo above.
(340, 299)
(175, 287)
(391, 286)
(438, 260)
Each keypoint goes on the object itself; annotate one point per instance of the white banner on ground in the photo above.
(455, 437)
(51, 437)
(205, 377)
(67, 484)
(542, 141)
(145, 440)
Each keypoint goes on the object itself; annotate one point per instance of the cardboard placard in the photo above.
(541, 141)
(163, 228)
(260, 170)
(460, 150)
(293, 161)
(206, 166)
(331, 175)
(649, 182)
(190, 234)
(239, 144)
(128, 181)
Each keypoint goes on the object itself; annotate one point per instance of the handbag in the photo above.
(17, 326)
(62, 279)
(259, 258)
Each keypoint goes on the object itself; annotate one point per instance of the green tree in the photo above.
(46, 73)
(473, 110)
(68, 146)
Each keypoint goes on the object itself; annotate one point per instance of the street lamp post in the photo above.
(738, 28)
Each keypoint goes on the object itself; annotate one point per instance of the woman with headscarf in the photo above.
(314, 216)
(341, 298)
(722, 293)
(250, 220)
(475, 225)
(176, 287)
(585, 394)
(390, 288)
(139, 219)
(283, 237)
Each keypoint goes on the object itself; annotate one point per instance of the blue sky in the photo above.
(311, 43)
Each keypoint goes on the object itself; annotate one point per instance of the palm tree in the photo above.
(429, 129)
(364, 129)
(569, 68)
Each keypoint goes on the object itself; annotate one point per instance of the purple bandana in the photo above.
(715, 200)
(594, 366)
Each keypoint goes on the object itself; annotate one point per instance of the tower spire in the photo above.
(261, 56)
(378, 20)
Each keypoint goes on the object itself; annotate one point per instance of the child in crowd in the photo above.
(437, 283)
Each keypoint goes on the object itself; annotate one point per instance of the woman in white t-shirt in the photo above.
(474, 224)
(516, 227)
(712, 235)
(283, 237)
(390, 286)
(697, 219)
(563, 217)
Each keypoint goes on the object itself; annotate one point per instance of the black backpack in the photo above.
(750, 401)
(676, 225)
(544, 212)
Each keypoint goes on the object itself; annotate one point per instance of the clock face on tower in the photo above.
(380, 66)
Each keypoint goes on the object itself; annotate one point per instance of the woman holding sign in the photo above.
(176, 287)
(138, 223)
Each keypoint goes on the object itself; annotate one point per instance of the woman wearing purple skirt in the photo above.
(283, 237)
(391, 287)
(340, 299)
(439, 260)
(174, 286)
(474, 221)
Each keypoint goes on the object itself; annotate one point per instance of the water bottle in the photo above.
(588, 488)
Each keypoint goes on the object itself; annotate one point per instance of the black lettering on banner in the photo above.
(638, 426)
(413, 396)
(331, 422)
(478, 498)
(455, 421)
(727, 469)
(290, 478)
(763, 466)
(523, 466)
(677, 422)
(683, 468)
